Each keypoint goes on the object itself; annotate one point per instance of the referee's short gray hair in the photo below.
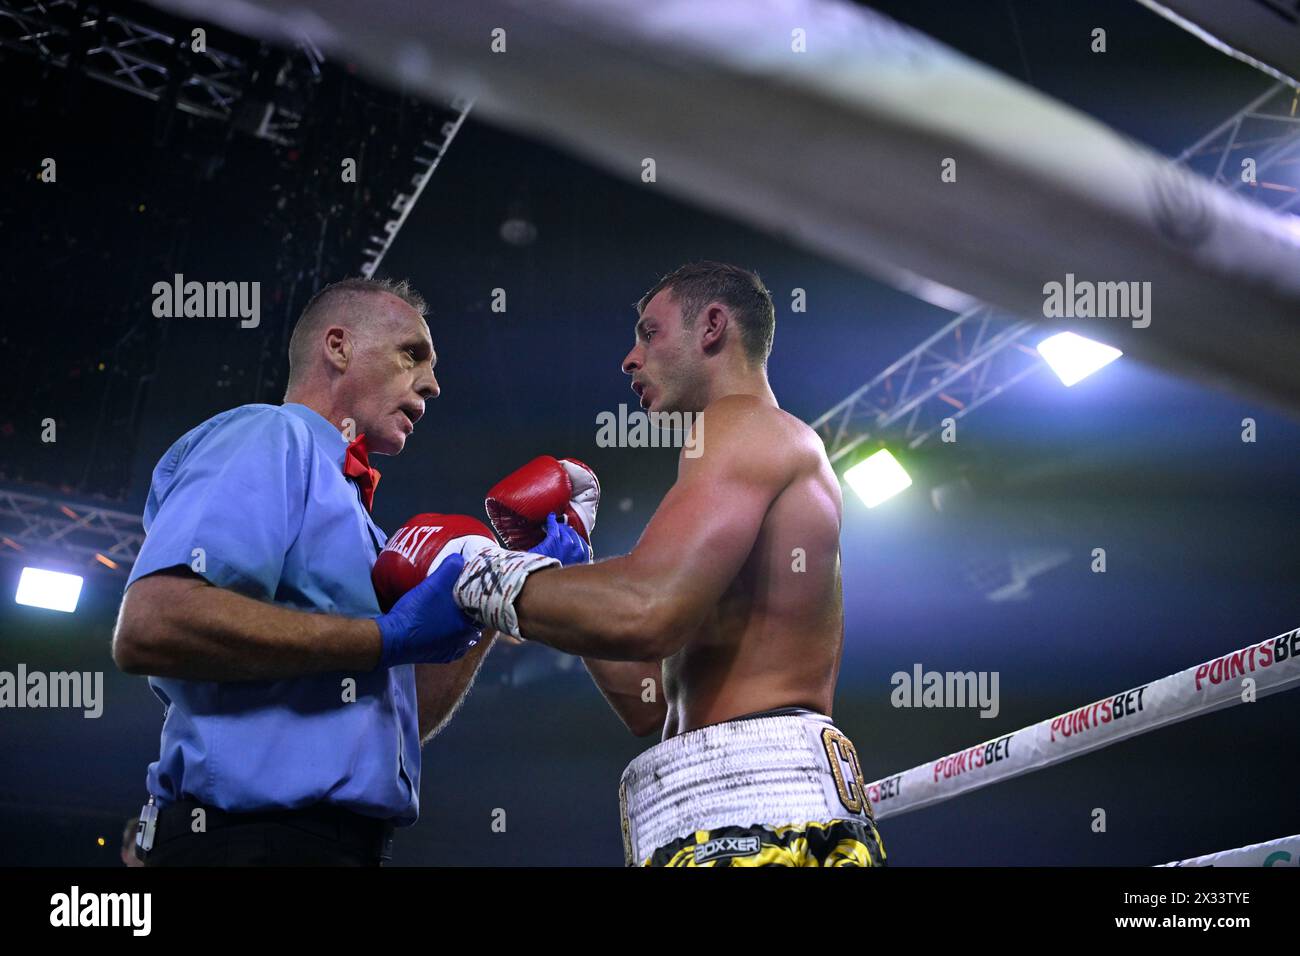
(336, 301)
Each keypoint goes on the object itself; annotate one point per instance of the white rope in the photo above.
(1284, 851)
(1243, 675)
(831, 125)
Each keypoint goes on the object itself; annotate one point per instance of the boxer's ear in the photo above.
(714, 323)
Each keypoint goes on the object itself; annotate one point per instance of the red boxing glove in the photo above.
(518, 504)
(419, 546)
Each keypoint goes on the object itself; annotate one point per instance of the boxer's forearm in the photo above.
(440, 688)
(604, 610)
(180, 626)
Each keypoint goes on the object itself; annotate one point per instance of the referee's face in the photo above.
(391, 372)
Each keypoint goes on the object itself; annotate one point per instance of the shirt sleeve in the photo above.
(233, 505)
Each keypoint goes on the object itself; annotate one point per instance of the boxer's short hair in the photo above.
(320, 304)
(696, 284)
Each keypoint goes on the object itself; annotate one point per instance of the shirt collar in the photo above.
(322, 428)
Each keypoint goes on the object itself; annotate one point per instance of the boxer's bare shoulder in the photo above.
(759, 433)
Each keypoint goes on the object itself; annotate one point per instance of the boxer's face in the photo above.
(390, 373)
(666, 363)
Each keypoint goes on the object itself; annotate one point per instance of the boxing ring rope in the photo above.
(1272, 665)
(859, 114)
(1284, 851)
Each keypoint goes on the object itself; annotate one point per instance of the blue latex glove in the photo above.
(563, 543)
(426, 626)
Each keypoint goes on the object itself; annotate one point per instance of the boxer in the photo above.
(723, 628)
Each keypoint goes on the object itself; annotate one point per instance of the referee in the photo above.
(294, 712)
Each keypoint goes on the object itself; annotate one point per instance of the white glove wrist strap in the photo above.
(491, 581)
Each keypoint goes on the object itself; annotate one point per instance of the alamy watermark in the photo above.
(640, 429)
(946, 689)
(179, 299)
(75, 689)
(1084, 299)
(133, 911)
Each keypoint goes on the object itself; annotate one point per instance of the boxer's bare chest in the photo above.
(773, 638)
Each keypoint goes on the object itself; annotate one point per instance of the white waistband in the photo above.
(761, 771)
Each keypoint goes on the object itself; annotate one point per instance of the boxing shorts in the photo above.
(778, 788)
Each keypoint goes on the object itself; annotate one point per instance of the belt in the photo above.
(370, 836)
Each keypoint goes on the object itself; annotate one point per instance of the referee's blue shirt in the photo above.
(255, 500)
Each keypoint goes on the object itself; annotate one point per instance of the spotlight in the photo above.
(877, 478)
(52, 590)
(1073, 358)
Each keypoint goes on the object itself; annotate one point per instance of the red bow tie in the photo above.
(356, 465)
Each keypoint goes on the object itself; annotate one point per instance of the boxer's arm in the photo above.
(634, 689)
(643, 606)
(441, 688)
(173, 623)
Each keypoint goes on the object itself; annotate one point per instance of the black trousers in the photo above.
(314, 836)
